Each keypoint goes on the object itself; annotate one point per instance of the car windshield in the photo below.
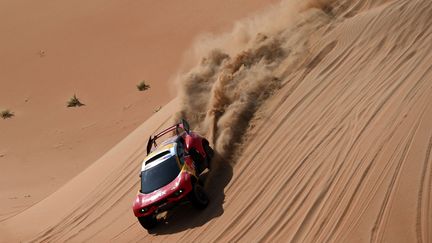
(159, 175)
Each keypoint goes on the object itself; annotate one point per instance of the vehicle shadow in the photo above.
(185, 217)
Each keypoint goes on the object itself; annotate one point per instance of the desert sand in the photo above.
(100, 51)
(320, 113)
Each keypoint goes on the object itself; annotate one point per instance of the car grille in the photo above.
(161, 202)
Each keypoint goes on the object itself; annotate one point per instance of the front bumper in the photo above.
(164, 198)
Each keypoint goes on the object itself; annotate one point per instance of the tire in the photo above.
(198, 160)
(148, 222)
(209, 153)
(198, 197)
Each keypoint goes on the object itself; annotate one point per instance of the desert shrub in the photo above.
(157, 109)
(6, 114)
(74, 102)
(143, 86)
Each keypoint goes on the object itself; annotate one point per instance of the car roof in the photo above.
(165, 150)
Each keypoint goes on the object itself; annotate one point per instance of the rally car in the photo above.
(170, 173)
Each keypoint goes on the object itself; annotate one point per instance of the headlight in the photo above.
(143, 210)
(178, 193)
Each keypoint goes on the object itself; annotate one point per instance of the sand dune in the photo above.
(98, 50)
(328, 106)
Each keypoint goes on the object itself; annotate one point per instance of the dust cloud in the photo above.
(238, 71)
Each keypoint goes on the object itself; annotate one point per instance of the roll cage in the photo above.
(152, 139)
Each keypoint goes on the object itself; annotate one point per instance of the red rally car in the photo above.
(170, 173)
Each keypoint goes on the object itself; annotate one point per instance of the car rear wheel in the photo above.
(198, 197)
(209, 153)
(148, 222)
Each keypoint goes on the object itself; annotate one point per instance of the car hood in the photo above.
(143, 200)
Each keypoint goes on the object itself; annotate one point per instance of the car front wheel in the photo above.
(148, 222)
(198, 197)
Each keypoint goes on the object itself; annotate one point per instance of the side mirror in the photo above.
(185, 125)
